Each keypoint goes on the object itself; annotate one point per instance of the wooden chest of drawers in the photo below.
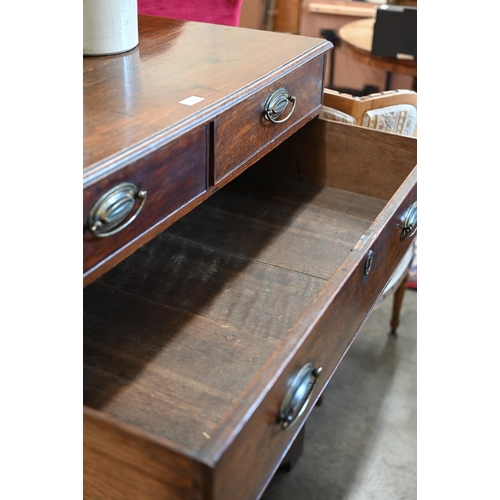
(243, 258)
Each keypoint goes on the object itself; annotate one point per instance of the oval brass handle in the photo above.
(298, 395)
(275, 105)
(410, 222)
(107, 215)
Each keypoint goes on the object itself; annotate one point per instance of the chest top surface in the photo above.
(135, 102)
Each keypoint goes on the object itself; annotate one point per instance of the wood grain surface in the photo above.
(182, 338)
(132, 101)
(195, 334)
(321, 337)
(278, 221)
(242, 131)
(191, 342)
(173, 176)
(123, 463)
(139, 128)
(154, 322)
(347, 157)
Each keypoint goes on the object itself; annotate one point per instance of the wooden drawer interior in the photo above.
(178, 333)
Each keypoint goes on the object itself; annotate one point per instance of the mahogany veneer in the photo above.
(133, 110)
(251, 262)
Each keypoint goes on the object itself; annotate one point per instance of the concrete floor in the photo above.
(361, 442)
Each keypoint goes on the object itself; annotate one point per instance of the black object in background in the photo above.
(395, 31)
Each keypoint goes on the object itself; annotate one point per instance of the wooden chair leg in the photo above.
(398, 301)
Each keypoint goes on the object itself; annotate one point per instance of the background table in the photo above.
(356, 41)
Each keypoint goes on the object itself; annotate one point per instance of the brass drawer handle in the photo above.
(410, 222)
(112, 209)
(298, 395)
(275, 105)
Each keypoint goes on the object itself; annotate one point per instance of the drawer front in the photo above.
(242, 132)
(330, 325)
(172, 176)
(121, 463)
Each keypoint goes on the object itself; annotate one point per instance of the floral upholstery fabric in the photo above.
(399, 119)
(337, 116)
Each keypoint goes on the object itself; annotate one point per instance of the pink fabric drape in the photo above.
(216, 12)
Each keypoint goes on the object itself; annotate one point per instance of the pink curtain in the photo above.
(216, 12)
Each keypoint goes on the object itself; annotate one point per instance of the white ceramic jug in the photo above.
(109, 26)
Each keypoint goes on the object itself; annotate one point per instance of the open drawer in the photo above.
(206, 349)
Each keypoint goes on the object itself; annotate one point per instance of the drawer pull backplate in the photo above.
(107, 215)
(275, 105)
(298, 395)
(410, 222)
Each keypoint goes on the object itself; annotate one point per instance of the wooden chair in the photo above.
(393, 111)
